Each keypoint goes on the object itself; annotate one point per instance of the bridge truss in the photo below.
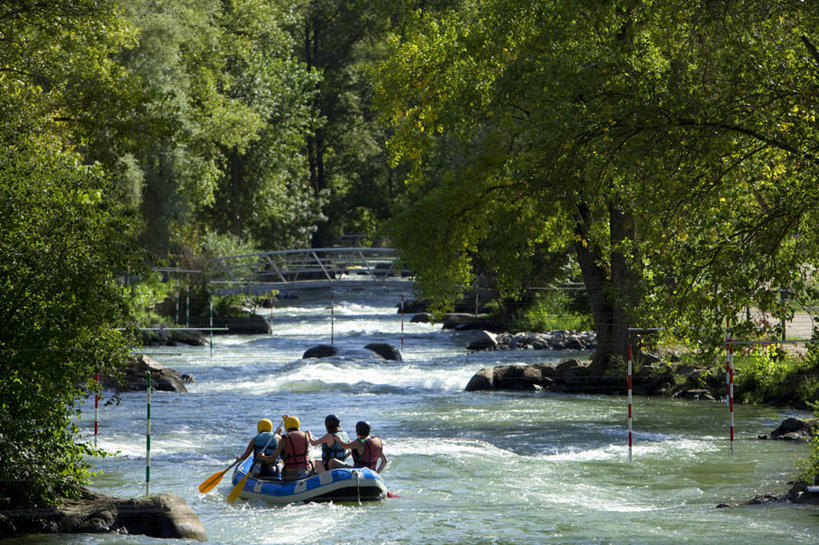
(310, 269)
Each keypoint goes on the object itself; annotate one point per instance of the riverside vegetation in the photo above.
(663, 157)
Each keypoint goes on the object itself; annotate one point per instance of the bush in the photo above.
(552, 310)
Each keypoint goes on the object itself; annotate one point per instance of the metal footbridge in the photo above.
(310, 268)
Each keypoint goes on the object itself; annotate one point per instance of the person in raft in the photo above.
(293, 447)
(367, 451)
(330, 442)
(264, 443)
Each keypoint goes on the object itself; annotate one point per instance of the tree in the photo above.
(63, 240)
(226, 113)
(589, 125)
(344, 145)
(61, 249)
(57, 72)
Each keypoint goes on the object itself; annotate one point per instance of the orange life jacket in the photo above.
(295, 451)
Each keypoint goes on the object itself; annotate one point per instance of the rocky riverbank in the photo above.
(161, 515)
(135, 377)
(572, 376)
(651, 377)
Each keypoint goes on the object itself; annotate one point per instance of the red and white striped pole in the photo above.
(96, 410)
(402, 320)
(332, 319)
(629, 404)
(729, 377)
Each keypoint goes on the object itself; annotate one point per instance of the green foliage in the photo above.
(61, 250)
(143, 297)
(809, 468)
(644, 137)
(58, 73)
(226, 112)
(766, 377)
(551, 310)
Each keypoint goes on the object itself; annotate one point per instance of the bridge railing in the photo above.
(312, 265)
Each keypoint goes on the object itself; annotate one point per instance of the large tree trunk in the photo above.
(612, 283)
(315, 139)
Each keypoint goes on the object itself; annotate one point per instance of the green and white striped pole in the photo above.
(148, 443)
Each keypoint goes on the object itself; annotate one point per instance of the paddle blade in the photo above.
(212, 481)
(237, 489)
(391, 495)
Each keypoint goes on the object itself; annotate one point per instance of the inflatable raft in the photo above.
(360, 484)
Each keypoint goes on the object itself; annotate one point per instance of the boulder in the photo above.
(575, 342)
(421, 318)
(135, 377)
(794, 429)
(483, 340)
(386, 351)
(481, 381)
(320, 351)
(255, 324)
(169, 336)
(517, 378)
(568, 376)
(801, 493)
(696, 393)
(463, 321)
(161, 516)
(552, 340)
(413, 306)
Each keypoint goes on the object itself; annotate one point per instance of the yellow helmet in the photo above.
(264, 425)
(291, 422)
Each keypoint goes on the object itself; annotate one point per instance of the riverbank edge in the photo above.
(160, 516)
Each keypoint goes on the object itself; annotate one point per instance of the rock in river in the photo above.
(161, 515)
(135, 377)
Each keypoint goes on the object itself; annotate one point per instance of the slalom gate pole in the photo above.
(211, 327)
(402, 320)
(96, 410)
(630, 442)
(148, 442)
(188, 303)
(332, 319)
(178, 297)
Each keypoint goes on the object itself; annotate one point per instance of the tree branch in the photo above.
(812, 49)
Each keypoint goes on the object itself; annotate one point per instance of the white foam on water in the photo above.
(135, 446)
(447, 448)
(656, 450)
(346, 373)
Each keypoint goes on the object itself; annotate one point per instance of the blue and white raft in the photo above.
(360, 484)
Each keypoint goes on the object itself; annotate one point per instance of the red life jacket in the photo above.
(295, 454)
(372, 451)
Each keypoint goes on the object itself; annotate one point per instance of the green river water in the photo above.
(476, 468)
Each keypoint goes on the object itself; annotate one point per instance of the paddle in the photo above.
(241, 484)
(238, 488)
(214, 479)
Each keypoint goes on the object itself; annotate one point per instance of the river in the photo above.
(477, 468)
